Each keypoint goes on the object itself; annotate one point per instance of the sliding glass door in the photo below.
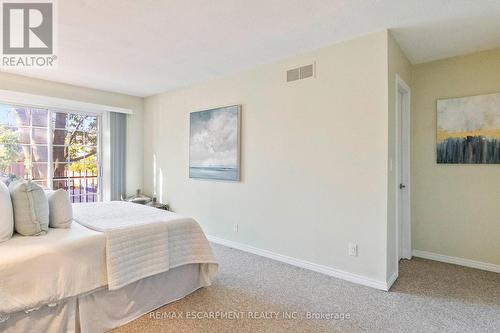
(54, 149)
(75, 159)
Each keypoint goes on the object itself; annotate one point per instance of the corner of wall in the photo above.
(278, 159)
(397, 65)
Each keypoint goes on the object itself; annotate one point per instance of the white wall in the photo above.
(134, 122)
(455, 208)
(314, 157)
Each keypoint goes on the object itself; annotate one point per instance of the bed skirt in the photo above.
(57, 318)
(103, 310)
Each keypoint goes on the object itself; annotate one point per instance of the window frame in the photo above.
(102, 123)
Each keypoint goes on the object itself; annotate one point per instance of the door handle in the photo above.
(402, 186)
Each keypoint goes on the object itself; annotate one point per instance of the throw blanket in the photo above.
(143, 241)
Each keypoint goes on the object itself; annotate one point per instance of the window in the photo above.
(54, 149)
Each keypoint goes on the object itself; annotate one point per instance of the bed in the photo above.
(61, 282)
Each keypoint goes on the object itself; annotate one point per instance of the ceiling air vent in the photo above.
(293, 74)
(300, 73)
(306, 71)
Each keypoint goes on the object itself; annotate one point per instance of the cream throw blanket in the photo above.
(143, 241)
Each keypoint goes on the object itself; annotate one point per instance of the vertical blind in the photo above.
(118, 142)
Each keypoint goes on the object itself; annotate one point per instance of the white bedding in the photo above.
(46, 269)
(102, 310)
(143, 241)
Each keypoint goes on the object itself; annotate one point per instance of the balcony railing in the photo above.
(81, 188)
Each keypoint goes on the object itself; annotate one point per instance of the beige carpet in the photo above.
(428, 297)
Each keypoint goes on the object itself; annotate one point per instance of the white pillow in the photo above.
(31, 208)
(6, 214)
(61, 210)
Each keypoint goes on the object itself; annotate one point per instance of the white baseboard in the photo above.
(355, 278)
(457, 261)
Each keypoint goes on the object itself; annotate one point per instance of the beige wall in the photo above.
(398, 65)
(455, 208)
(314, 157)
(134, 122)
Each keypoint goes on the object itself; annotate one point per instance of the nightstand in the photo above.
(158, 205)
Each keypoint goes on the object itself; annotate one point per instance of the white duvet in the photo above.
(45, 270)
(40, 270)
(143, 241)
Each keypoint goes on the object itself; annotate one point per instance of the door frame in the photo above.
(403, 197)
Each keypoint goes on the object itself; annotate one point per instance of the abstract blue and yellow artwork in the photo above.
(468, 130)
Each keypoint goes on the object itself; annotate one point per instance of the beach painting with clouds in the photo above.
(214, 144)
(468, 130)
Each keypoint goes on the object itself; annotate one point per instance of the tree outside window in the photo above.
(25, 142)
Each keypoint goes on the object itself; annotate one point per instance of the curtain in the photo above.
(118, 142)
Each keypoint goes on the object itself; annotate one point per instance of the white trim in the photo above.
(355, 278)
(457, 261)
(392, 279)
(56, 104)
(403, 235)
(50, 144)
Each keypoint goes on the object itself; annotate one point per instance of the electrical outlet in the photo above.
(235, 227)
(353, 249)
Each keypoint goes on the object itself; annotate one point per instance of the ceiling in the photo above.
(146, 47)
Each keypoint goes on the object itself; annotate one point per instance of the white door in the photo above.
(403, 170)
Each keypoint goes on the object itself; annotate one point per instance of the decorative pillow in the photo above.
(6, 215)
(9, 179)
(61, 210)
(31, 208)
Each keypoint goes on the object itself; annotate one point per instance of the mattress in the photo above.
(42, 270)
